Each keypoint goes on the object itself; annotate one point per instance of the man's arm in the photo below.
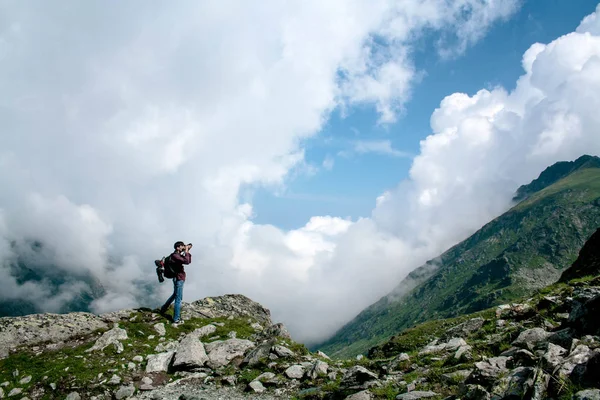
(186, 259)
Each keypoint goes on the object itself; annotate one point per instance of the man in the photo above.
(180, 257)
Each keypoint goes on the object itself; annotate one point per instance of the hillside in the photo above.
(524, 249)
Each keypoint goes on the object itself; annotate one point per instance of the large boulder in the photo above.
(487, 371)
(112, 337)
(190, 353)
(358, 377)
(531, 339)
(229, 305)
(258, 354)
(159, 362)
(221, 353)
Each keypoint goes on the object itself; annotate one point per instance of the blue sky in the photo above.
(350, 187)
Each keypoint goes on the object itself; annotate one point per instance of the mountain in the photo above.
(524, 249)
(588, 262)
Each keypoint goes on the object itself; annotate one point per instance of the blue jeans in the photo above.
(177, 296)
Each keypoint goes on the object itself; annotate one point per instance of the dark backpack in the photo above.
(170, 268)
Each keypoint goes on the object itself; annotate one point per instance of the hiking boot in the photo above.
(177, 323)
(159, 270)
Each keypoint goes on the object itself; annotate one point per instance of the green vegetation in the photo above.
(513, 256)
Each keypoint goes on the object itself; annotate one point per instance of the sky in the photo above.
(314, 153)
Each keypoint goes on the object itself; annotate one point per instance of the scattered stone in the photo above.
(277, 330)
(147, 380)
(590, 394)
(319, 368)
(15, 392)
(232, 335)
(487, 371)
(124, 392)
(73, 396)
(256, 326)
(114, 380)
(358, 377)
(321, 354)
(452, 344)
(256, 386)
(221, 353)
(282, 351)
(531, 338)
(53, 386)
(230, 380)
(205, 330)
(159, 362)
(190, 353)
(415, 395)
(466, 328)
(25, 380)
(579, 356)
(160, 329)
(518, 382)
(259, 353)
(110, 337)
(131, 366)
(456, 376)
(295, 372)
(553, 356)
(138, 359)
(169, 346)
(1, 393)
(362, 395)
(463, 352)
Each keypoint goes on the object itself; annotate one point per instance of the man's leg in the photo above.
(178, 298)
(165, 306)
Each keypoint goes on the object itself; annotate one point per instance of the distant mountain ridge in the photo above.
(524, 249)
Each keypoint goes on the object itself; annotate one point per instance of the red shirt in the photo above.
(179, 260)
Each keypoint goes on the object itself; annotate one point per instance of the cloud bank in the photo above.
(127, 128)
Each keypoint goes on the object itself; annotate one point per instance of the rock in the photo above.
(540, 385)
(515, 311)
(519, 358)
(456, 376)
(256, 387)
(168, 346)
(190, 353)
(586, 374)
(73, 396)
(114, 380)
(476, 392)
(259, 353)
(230, 380)
(221, 353)
(319, 368)
(265, 376)
(553, 356)
(232, 335)
(230, 305)
(466, 328)
(531, 338)
(145, 387)
(17, 391)
(452, 344)
(590, 394)
(147, 380)
(138, 359)
(1, 393)
(25, 380)
(159, 362)
(563, 338)
(160, 329)
(283, 351)
(110, 337)
(45, 328)
(415, 395)
(124, 392)
(516, 384)
(358, 377)
(53, 386)
(277, 330)
(321, 354)
(295, 372)
(362, 395)
(579, 356)
(463, 352)
(205, 330)
(256, 326)
(487, 371)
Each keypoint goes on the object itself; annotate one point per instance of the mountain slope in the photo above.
(522, 250)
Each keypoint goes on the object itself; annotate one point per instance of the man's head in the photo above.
(179, 246)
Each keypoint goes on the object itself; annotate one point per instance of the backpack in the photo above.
(170, 268)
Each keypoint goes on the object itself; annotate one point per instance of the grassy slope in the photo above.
(524, 249)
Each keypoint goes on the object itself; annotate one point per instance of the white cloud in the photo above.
(379, 147)
(127, 128)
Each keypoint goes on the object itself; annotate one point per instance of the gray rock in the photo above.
(579, 356)
(466, 328)
(476, 392)
(221, 353)
(415, 395)
(256, 387)
(358, 377)
(319, 368)
(531, 338)
(590, 394)
(124, 392)
(15, 392)
(147, 380)
(111, 337)
(295, 372)
(266, 376)
(456, 376)
(451, 345)
(282, 351)
(362, 395)
(463, 352)
(553, 357)
(25, 380)
(160, 329)
(168, 346)
(73, 396)
(259, 353)
(540, 385)
(321, 354)
(205, 330)
(159, 362)
(487, 371)
(190, 353)
(1, 393)
(277, 330)
(516, 384)
(138, 359)
(230, 380)
(232, 335)
(114, 380)
(45, 328)
(257, 327)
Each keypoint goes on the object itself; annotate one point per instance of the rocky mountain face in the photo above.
(523, 250)
(588, 262)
